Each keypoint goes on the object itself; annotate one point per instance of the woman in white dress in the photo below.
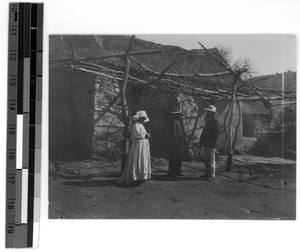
(138, 166)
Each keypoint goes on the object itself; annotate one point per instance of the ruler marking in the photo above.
(13, 55)
(34, 15)
(33, 39)
(24, 204)
(32, 109)
(18, 196)
(26, 85)
(35, 236)
(33, 88)
(20, 56)
(21, 236)
(25, 139)
(19, 146)
(32, 132)
(24, 88)
(30, 234)
(27, 17)
(31, 160)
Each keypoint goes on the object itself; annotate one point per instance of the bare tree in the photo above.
(226, 53)
(245, 64)
(239, 63)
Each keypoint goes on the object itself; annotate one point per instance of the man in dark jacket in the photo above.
(208, 142)
(175, 144)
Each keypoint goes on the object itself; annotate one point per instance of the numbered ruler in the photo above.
(24, 124)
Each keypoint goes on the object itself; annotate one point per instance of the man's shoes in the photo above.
(209, 178)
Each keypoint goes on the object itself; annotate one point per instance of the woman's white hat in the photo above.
(211, 108)
(140, 114)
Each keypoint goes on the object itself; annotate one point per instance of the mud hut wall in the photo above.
(83, 92)
(71, 110)
(108, 128)
(60, 119)
(249, 124)
(223, 119)
(256, 118)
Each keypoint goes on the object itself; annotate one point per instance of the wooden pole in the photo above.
(173, 64)
(125, 110)
(182, 75)
(234, 73)
(232, 112)
(236, 78)
(104, 111)
(134, 53)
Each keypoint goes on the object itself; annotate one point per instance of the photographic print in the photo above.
(172, 127)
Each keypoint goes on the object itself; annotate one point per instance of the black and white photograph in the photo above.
(152, 125)
(192, 126)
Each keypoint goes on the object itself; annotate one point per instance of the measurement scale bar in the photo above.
(24, 124)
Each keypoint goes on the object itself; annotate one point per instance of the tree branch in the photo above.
(135, 53)
(236, 73)
(182, 75)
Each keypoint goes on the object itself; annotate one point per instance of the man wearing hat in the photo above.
(175, 143)
(208, 142)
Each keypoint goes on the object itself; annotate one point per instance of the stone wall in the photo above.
(71, 108)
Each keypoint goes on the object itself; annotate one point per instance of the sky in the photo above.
(268, 53)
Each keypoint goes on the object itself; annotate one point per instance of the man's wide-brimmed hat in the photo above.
(140, 114)
(176, 110)
(211, 108)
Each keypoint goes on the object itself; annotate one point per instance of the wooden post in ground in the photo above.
(236, 78)
(125, 110)
(232, 112)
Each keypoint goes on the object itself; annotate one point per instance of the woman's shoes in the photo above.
(206, 177)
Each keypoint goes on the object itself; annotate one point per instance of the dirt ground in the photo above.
(255, 188)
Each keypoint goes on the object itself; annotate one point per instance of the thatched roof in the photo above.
(64, 47)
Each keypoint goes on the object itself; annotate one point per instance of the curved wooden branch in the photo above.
(182, 75)
(235, 74)
(122, 55)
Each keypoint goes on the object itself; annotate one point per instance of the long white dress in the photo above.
(138, 166)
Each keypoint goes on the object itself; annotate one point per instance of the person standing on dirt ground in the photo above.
(208, 142)
(175, 143)
(138, 165)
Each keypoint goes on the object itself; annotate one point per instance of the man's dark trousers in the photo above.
(175, 159)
